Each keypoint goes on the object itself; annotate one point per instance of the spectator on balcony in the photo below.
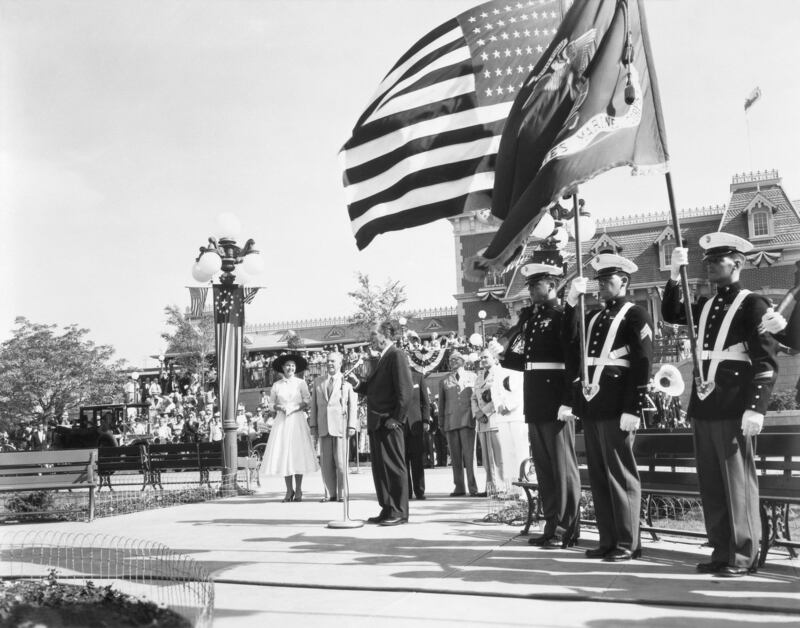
(153, 390)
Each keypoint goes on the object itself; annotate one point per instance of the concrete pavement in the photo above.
(278, 562)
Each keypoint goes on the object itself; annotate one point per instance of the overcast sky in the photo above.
(127, 126)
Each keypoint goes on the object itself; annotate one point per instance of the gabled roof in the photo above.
(771, 193)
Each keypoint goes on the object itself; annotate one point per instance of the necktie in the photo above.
(330, 386)
(458, 376)
(486, 374)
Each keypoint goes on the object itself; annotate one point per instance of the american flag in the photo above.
(229, 327)
(250, 294)
(427, 140)
(198, 297)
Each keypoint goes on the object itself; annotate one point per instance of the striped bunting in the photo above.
(428, 138)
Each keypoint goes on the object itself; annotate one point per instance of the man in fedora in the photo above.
(547, 399)
(388, 391)
(618, 353)
(728, 404)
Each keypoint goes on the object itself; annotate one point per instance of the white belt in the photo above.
(544, 366)
(608, 362)
(735, 352)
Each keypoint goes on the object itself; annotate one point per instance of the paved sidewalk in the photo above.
(278, 564)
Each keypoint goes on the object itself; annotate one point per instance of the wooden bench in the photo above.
(163, 457)
(667, 467)
(49, 470)
(130, 458)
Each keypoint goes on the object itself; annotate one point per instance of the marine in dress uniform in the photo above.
(619, 352)
(727, 406)
(547, 394)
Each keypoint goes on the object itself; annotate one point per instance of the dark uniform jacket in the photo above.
(419, 407)
(544, 389)
(738, 386)
(622, 389)
(388, 389)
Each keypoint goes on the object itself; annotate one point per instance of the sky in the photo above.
(128, 126)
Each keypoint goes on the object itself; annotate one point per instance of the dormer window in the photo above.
(760, 221)
(666, 244)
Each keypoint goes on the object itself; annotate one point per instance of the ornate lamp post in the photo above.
(482, 316)
(229, 266)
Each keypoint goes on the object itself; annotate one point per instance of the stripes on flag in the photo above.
(249, 294)
(428, 138)
(198, 301)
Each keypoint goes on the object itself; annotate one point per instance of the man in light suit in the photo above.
(457, 421)
(332, 401)
(388, 390)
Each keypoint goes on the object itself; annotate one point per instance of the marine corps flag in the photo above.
(588, 106)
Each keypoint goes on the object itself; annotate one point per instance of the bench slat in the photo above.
(51, 456)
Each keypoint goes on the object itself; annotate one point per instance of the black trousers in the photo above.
(415, 459)
(553, 447)
(440, 443)
(614, 479)
(726, 473)
(388, 459)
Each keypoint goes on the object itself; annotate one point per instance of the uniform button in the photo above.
(758, 396)
(760, 386)
(735, 373)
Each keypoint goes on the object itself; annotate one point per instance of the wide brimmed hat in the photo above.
(300, 362)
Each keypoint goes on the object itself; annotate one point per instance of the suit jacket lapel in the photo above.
(380, 362)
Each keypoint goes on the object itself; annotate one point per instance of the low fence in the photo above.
(143, 569)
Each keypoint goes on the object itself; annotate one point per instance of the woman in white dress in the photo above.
(290, 450)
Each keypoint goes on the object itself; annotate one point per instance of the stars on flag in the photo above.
(486, 29)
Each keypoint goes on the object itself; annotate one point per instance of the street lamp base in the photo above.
(347, 523)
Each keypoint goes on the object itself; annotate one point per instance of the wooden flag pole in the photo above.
(687, 299)
(581, 297)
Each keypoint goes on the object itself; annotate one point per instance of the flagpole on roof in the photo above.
(676, 225)
(581, 297)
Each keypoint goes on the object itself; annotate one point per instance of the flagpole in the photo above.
(676, 225)
(687, 303)
(581, 297)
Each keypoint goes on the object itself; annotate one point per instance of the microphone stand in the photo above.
(346, 521)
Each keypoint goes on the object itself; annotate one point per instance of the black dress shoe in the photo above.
(598, 552)
(420, 496)
(393, 521)
(483, 494)
(457, 494)
(731, 571)
(377, 519)
(618, 555)
(539, 541)
(569, 542)
(554, 542)
(712, 566)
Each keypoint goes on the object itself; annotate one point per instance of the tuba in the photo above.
(668, 380)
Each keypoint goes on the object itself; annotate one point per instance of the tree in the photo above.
(192, 339)
(44, 372)
(374, 303)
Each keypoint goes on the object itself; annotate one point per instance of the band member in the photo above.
(728, 404)
(388, 391)
(547, 393)
(619, 352)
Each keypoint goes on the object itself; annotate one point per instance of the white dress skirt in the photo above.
(290, 448)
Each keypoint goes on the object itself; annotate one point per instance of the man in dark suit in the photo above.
(551, 428)
(619, 352)
(388, 390)
(727, 406)
(417, 424)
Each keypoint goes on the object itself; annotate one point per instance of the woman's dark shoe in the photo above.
(289, 496)
(298, 496)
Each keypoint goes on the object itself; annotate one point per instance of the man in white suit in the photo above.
(333, 399)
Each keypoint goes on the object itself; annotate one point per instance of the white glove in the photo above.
(564, 413)
(576, 288)
(680, 257)
(772, 322)
(628, 422)
(752, 422)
